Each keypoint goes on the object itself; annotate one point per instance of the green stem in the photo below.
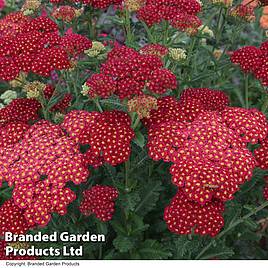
(149, 33)
(127, 168)
(97, 103)
(265, 105)
(231, 226)
(218, 30)
(165, 37)
(136, 123)
(128, 27)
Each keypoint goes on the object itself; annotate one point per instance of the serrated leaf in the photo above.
(123, 243)
(150, 194)
(153, 250)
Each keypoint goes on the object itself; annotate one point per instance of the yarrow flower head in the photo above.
(99, 200)
(133, 5)
(127, 73)
(142, 105)
(184, 217)
(192, 102)
(30, 6)
(35, 45)
(179, 13)
(65, 13)
(206, 143)
(254, 60)
(34, 89)
(209, 159)
(244, 12)
(155, 50)
(39, 166)
(109, 135)
(177, 54)
(22, 110)
(96, 49)
(12, 219)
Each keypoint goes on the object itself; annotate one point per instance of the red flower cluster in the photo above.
(39, 166)
(22, 110)
(183, 215)
(243, 11)
(36, 46)
(99, 200)
(109, 135)
(127, 73)
(180, 13)
(254, 60)
(207, 144)
(64, 13)
(192, 102)
(12, 219)
(261, 154)
(155, 50)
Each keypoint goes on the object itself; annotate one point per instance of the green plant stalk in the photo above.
(136, 123)
(149, 33)
(127, 168)
(128, 27)
(97, 103)
(231, 226)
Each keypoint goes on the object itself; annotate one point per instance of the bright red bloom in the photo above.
(35, 45)
(12, 219)
(186, 23)
(39, 166)
(212, 100)
(209, 158)
(127, 73)
(254, 60)
(41, 199)
(192, 102)
(261, 154)
(183, 216)
(250, 124)
(9, 69)
(248, 58)
(101, 85)
(99, 200)
(22, 110)
(75, 44)
(109, 134)
(154, 11)
(11, 133)
(161, 80)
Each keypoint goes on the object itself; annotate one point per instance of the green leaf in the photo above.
(124, 243)
(139, 140)
(152, 250)
(150, 194)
